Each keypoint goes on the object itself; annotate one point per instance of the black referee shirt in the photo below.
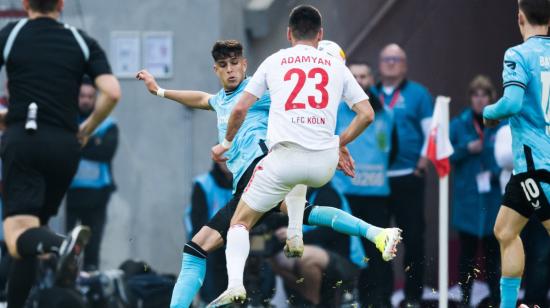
(46, 65)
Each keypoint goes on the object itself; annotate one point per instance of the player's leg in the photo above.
(208, 239)
(236, 253)
(195, 253)
(295, 201)
(271, 182)
(385, 239)
(508, 226)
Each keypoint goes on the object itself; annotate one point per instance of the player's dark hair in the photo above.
(227, 49)
(305, 22)
(484, 83)
(537, 12)
(43, 6)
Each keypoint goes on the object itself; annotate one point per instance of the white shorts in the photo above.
(286, 166)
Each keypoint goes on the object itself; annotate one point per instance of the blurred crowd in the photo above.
(389, 188)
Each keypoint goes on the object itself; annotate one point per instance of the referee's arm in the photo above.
(99, 70)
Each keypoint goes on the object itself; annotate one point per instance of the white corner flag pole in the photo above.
(444, 214)
(443, 242)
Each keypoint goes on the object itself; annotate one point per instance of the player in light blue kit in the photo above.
(526, 102)
(247, 150)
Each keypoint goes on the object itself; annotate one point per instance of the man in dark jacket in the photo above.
(93, 184)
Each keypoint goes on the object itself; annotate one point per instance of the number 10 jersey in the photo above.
(306, 86)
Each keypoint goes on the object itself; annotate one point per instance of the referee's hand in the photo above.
(83, 135)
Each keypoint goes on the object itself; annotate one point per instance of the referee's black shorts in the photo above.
(37, 169)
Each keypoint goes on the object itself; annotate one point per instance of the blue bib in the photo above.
(371, 154)
(94, 174)
(216, 198)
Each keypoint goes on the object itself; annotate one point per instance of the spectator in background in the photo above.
(476, 193)
(534, 236)
(412, 106)
(211, 191)
(93, 183)
(368, 192)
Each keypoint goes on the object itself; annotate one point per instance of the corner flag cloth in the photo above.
(439, 146)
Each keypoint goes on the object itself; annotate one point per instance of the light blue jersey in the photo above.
(246, 144)
(528, 66)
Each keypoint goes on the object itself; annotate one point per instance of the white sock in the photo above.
(236, 253)
(295, 203)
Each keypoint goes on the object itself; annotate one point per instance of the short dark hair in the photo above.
(227, 49)
(86, 80)
(537, 12)
(305, 22)
(43, 6)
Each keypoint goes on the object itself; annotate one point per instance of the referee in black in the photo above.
(45, 62)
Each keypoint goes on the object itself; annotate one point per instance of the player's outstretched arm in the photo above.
(508, 105)
(191, 99)
(109, 95)
(363, 118)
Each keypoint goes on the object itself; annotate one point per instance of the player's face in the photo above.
(86, 98)
(479, 99)
(393, 63)
(362, 74)
(231, 71)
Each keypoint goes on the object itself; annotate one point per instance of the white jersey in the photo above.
(306, 86)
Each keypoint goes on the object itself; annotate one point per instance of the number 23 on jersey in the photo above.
(302, 77)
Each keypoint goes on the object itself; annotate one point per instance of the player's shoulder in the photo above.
(6, 30)
(518, 52)
(216, 98)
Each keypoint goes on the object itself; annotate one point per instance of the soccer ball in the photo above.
(332, 49)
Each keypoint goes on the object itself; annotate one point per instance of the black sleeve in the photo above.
(394, 145)
(102, 149)
(98, 63)
(199, 209)
(4, 33)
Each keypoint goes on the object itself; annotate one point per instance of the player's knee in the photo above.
(13, 228)
(504, 235)
(208, 239)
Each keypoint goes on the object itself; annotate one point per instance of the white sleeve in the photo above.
(503, 148)
(258, 83)
(353, 93)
